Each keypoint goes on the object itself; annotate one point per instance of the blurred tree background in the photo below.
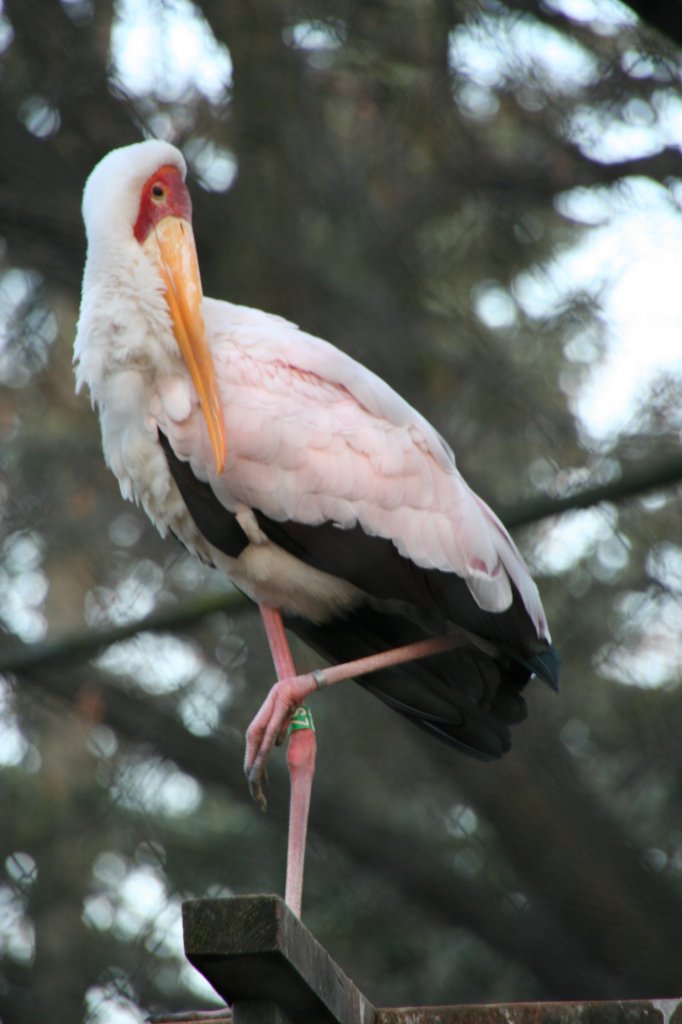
(475, 198)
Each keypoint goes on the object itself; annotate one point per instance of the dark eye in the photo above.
(158, 191)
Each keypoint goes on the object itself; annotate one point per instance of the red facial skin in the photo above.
(164, 194)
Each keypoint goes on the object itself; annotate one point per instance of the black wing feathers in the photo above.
(217, 525)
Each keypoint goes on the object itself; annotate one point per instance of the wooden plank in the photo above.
(635, 1011)
(252, 949)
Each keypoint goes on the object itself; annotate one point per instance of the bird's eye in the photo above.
(158, 191)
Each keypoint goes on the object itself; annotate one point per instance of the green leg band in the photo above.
(301, 719)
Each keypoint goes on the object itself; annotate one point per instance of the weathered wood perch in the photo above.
(253, 950)
(265, 963)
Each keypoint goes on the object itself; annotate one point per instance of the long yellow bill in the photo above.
(173, 240)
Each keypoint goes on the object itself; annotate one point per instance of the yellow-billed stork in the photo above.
(323, 495)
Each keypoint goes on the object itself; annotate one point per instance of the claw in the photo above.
(255, 780)
(255, 770)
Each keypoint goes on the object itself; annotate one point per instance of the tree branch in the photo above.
(655, 474)
(78, 647)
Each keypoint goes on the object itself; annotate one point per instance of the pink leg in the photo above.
(278, 643)
(300, 761)
(287, 694)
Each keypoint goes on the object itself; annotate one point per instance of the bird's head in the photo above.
(137, 197)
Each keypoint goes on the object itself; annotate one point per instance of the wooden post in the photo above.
(264, 962)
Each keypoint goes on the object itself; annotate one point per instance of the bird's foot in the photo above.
(269, 728)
